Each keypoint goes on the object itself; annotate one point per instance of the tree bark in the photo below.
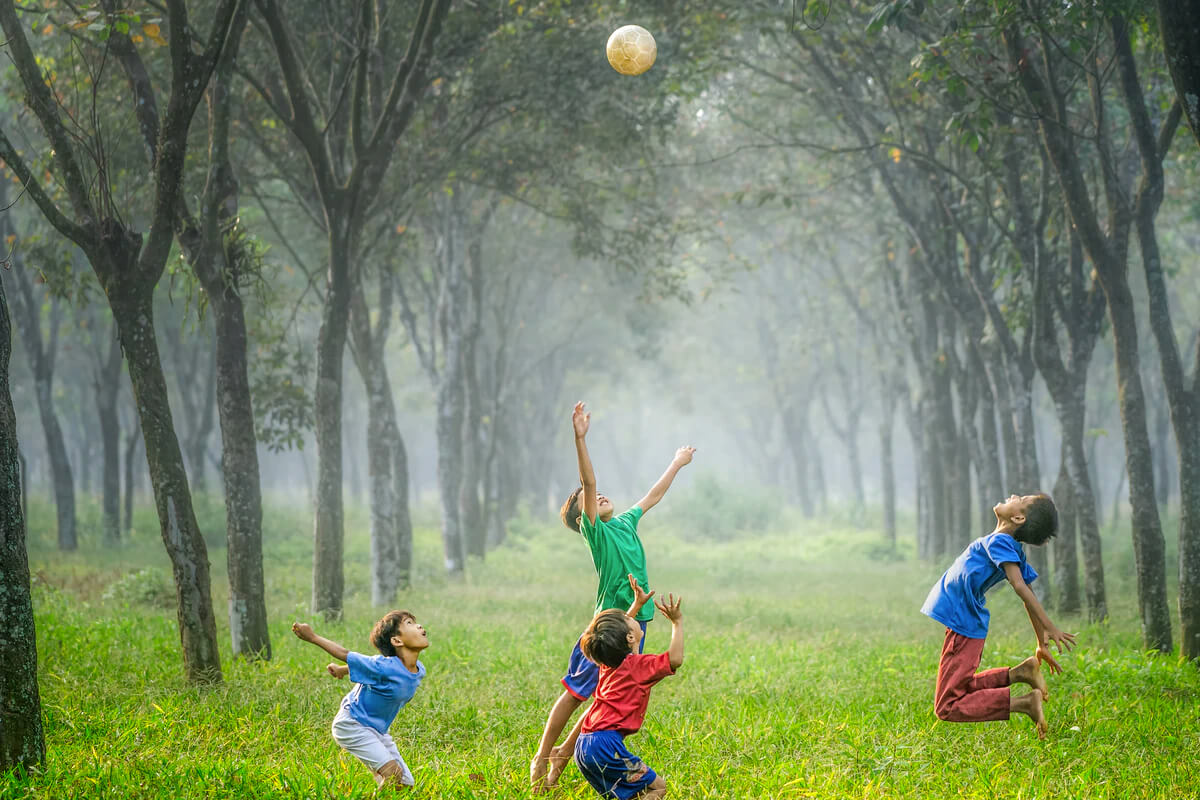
(134, 313)
(22, 742)
(1179, 26)
(1066, 562)
(887, 465)
(131, 444)
(108, 386)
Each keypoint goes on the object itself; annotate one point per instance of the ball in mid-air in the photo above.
(631, 50)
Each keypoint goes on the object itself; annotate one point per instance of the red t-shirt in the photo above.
(622, 694)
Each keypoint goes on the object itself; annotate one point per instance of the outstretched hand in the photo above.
(338, 671)
(580, 420)
(1064, 641)
(670, 607)
(1043, 655)
(684, 455)
(640, 597)
(303, 630)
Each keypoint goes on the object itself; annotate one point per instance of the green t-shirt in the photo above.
(616, 552)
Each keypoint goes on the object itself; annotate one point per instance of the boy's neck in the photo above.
(409, 657)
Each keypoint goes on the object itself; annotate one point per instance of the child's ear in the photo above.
(396, 641)
(1018, 518)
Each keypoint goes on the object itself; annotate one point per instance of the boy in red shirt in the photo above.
(622, 694)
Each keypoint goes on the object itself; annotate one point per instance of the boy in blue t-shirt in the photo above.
(620, 564)
(957, 601)
(383, 684)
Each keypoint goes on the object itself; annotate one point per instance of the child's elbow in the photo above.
(676, 663)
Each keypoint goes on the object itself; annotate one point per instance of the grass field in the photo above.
(809, 674)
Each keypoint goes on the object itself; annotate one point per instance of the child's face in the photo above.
(1013, 509)
(604, 507)
(635, 634)
(411, 634)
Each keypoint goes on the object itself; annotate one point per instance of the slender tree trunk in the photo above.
(1066, 562)
(197, 444)
(24, 481)
(134, 313)
(41, 362)
(1084, 504)
(1162, 455)
(1149, 547)
(382, 436)
(243, 491)
(131, 445)
(108, 385)
(403, 513)
(472, 452)
(328, 576)
(449, 466)
(22, 742)
(887, 466)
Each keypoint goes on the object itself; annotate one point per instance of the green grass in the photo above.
(809, 674)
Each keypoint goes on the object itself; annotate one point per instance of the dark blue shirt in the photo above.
(957, 601)
(383, 685)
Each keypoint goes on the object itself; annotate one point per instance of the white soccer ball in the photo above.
(631, 50)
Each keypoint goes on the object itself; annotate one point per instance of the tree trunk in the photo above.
(41, 363)
(1162, 454)
(1083, 501)
(1066, 562)
(108, 386)
(197, 445)
(22, 742)
(134, 313)
(450, 450)
(243, 491)
(1179, 26)
(402, 514)
(131, 445)
(382, 435)
(887, 466)
(1149, 548)
(328, 533)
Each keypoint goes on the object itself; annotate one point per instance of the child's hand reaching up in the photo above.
(670, 607)
(581, 420)
(640, 597)
(303, 630)
(684, 455)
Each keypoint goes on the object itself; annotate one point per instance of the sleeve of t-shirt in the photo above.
(650, 669)
(1003, 549)
(588, 528)
(365, 669)
(632, 515)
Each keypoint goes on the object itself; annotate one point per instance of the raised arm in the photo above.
(1045, 630)
(682, 456)
(581, 421)
(305, 632)
(670, 610)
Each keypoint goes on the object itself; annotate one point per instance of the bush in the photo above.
(146, 587)
(710, 509)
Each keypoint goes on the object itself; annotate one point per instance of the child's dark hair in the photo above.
(606, 640)
(385, 629)
(572, 509)
(1041, 521)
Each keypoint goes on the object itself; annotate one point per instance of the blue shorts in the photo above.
(609, 767)
(582, 674)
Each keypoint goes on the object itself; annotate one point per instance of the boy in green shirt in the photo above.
(620, 564)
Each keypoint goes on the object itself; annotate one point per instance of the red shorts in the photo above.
(964, 695)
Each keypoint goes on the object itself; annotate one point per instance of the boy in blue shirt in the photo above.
(957, 601)
(383, 684)
(620, 564)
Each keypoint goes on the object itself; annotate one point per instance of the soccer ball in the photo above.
(631, 50)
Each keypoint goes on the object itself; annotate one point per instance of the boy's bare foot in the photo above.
(558, 763)
(1031, 705)
(1030, 671)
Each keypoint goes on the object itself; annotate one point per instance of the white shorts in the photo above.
(368, 745)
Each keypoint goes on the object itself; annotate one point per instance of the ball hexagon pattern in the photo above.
(631, 50)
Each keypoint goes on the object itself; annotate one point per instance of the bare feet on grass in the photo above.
(1031, 705)
(1030, 671)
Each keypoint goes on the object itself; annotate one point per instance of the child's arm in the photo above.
(581, 421)
(338, 671)
(670, 610)
(1045, 630)
(682, 456)
(306, 633)
(639, 597)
